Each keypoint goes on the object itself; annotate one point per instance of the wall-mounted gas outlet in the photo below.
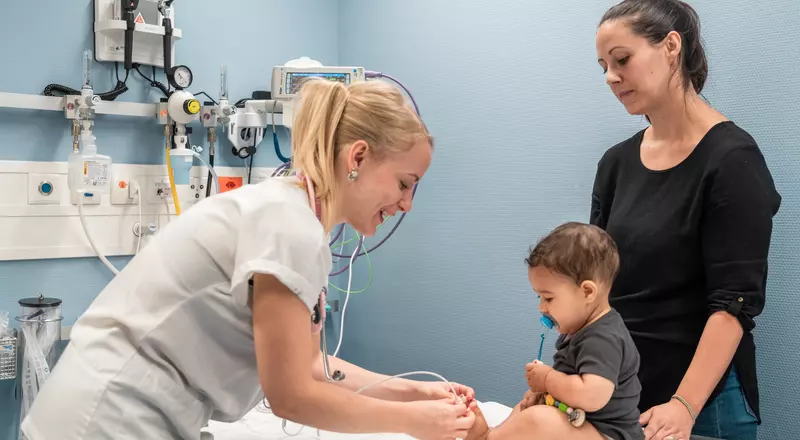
(158, 190)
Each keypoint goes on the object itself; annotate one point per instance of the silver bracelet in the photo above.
(687, 405)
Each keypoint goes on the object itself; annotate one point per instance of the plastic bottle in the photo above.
(88, 171)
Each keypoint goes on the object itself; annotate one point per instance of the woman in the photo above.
(689, 201)
(178, 337)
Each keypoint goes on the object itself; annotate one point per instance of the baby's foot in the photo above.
(480, 429)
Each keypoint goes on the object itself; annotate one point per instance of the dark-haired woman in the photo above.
(689, 201)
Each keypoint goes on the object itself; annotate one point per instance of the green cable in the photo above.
(341, 245)
(369, 263)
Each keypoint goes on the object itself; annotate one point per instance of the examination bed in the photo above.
(259, 424)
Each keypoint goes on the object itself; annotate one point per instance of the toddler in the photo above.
(596, 364)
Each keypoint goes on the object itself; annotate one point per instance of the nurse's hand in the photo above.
(441, 390)
(443, 419)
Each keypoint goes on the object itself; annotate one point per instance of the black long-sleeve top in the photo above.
(693, 240)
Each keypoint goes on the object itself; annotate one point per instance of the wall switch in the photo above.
(46, 189)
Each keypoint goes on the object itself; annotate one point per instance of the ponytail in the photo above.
(319, 112)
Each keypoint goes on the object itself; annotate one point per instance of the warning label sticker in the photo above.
(140, 19)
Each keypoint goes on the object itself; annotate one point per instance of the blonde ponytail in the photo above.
(330, 116)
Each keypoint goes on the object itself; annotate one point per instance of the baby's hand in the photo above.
(536, 373)
(531, 399)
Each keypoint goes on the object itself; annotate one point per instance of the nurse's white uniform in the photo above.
(168, 344)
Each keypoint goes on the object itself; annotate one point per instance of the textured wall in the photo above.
(42, 47)
(521, 113)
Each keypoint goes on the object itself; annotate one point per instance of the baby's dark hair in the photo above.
(654, 19)
(578, 251)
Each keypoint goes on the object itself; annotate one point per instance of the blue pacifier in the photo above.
(548, 323)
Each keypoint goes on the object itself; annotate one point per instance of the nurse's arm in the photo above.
(401, 390)
(281, 332)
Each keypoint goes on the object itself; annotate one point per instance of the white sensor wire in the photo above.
(100, 255)
(346, 300)
(386, 379)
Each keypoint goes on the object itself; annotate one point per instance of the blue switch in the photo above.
(46, 188)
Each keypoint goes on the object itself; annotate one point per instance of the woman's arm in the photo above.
(282, 330)
(401, 390)
(717, 346)
(736, 234)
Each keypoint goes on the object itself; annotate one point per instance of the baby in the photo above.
(596, 363)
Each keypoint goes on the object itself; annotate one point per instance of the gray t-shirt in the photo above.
(605, 348)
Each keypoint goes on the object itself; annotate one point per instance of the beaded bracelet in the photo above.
(575, 416)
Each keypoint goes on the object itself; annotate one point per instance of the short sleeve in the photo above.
(736, 234)
(599, 353)
(286, 242)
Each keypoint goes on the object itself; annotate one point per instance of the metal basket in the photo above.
(8, 357)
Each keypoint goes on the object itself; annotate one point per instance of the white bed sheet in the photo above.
(258, 425)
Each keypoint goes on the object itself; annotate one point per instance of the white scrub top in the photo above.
(168, 343)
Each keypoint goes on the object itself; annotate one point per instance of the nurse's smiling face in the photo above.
(383, 185)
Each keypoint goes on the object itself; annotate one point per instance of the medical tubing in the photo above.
(141, 224)
(172, 187)
(100, 255)
(338, 234)
(281, 168)
(412, 373)
(369, 74)
(369, 283)
(366, 387)
(346, 300)
(275, 141)
(277, 144)
(380, 243)
(357, 254)
(210, 169)
(212, 137)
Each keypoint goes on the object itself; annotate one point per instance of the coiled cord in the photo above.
(120, 88)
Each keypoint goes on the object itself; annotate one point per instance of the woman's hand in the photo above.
(669, 419)
(536, 373)
(443, 419)
(441, 390)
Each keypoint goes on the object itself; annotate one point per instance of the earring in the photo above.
(353, 175)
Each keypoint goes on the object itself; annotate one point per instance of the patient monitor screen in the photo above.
(295, 79)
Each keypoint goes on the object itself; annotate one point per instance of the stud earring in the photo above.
(353, 175)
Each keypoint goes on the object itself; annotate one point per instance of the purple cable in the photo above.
(349, 263)
(371, 74)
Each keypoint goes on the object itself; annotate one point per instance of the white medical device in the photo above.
(287, 80)
(135, 23)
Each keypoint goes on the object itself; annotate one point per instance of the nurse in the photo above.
(216, 312)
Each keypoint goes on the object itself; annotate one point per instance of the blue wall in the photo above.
(521, 113)
(250, 36)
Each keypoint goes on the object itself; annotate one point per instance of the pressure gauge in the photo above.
(181, 77)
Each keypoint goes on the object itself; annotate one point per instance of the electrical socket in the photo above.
(123, 191)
